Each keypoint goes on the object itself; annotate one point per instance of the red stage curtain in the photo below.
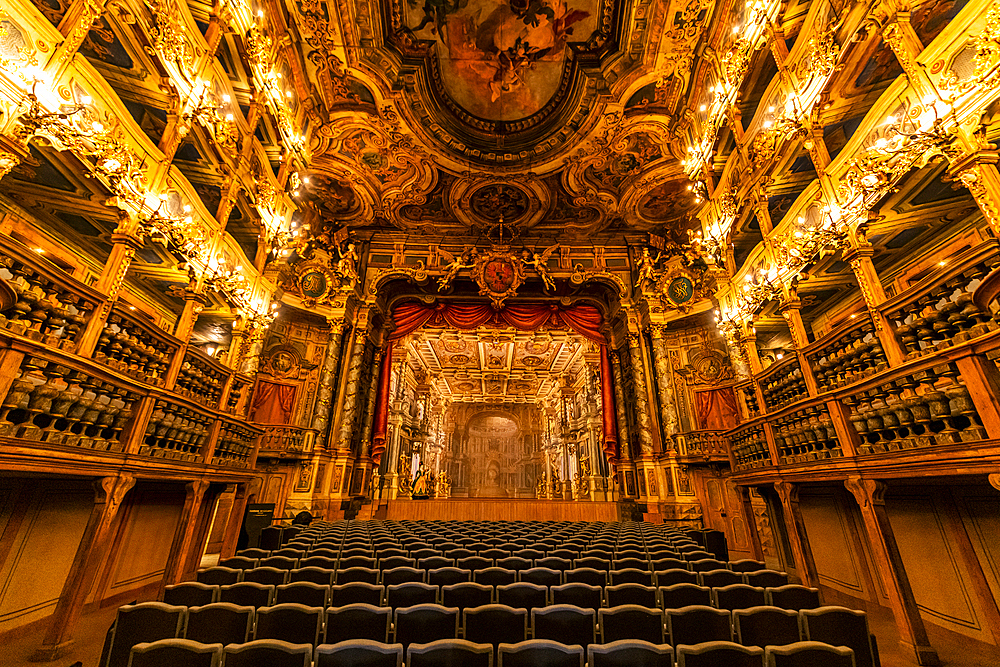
(382, 406)
(273, 403)
(610, 446)
(716, 409)
(583, 319)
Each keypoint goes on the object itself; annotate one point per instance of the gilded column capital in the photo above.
(867, 491)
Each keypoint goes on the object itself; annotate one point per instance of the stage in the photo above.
(501, 509)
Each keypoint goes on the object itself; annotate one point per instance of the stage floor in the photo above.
(502, 509)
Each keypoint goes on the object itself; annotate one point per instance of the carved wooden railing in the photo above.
(116, 400)
(707, 444)
(942, 396)
(286, 441)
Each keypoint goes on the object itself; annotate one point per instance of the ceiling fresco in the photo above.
(560, 116)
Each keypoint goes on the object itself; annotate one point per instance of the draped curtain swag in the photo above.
(273, 403)
(716, 409)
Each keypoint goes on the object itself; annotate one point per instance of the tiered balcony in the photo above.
(118, 408)
(937, 408)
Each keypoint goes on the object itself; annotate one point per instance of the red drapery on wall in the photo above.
(273, 403)
(610, 445)
(582, 319)
(382, 406)
(716, 409)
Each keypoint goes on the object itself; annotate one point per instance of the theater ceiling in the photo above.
(500, 366)
(561, 117)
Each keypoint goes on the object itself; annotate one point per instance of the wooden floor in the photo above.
(501, 509)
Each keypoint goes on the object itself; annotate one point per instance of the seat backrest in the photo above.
(586, 575)
(840, 626)
(793, 596)
(494, 576)
(541, 575)
(293, 623)
(356, 592)
(219, 576)
(808, 654)
(539, 652)
(630, 653)
(303, 592)
(357, 621)
(410, 593)
(554, 563)
(474, 563)
(631, 576)
(523, 595)
(514, 563)
(630, 594)
(630, 622)
(425, 623)
(668, 564)
(764, 626)
(717, 578)
(580, 595)
(712, 654)
(221, 622)
(279, 562)
(697, 624)
(238, 562)
(391, 562)
(737, 596)
(173, 652)
(684, 595)
(747, 565)
(448, 652)
(272, 576)
(190, 594)
(144, 622)
(495, 623)
(367, 575)
(316, 575)
(359, 653)
(270, 652)
(707, 565)
(466, 594)
(402, 575)
(247, 594)
(675, 576)
(444, 576)
(565, 623)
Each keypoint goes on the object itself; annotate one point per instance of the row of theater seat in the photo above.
(470, 594)
(493, 624)
(487, 559)
(447, 652)
(491, 575)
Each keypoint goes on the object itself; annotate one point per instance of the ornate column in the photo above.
(978, 172)
(790, 310)
(668, 411)
(110, 492)
(348, 413)
(641, 402)
(625, 462)
(870, 495)
(123, 249)
(860, 260)
(796, 529)
(324, 404)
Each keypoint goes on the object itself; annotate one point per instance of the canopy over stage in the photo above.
(501, 509)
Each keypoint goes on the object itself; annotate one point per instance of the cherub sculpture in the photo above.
(466, 260)
(647, 268)
(540, 263)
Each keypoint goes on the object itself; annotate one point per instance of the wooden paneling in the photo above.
(502, 509)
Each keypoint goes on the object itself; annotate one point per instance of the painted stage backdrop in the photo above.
(502, 60)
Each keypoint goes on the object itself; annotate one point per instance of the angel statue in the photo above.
(466, 260)
(346, 267)
(647, 268)
(540, 262)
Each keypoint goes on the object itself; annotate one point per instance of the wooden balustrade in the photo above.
(286, 441)
(939, 311)
(749, 447)
(782, 384)
(48, 304)
(806, 435)
(202, 378)
(136, 347)
(849, 353)
(706, 444)
(748, 403)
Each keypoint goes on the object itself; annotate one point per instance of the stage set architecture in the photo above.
(720, 264)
